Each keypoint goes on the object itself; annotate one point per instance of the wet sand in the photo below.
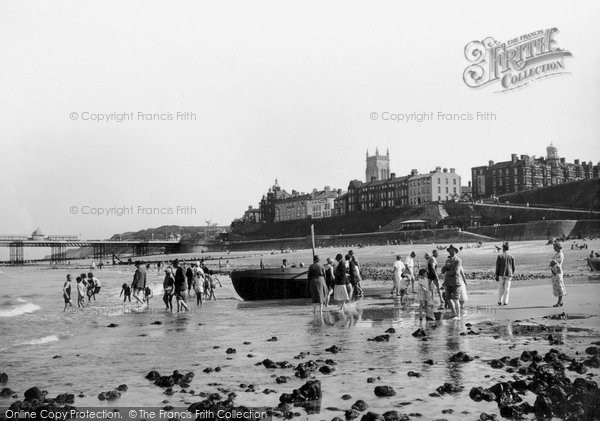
(198, 342)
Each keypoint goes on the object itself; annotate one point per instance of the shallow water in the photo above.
(95, 358)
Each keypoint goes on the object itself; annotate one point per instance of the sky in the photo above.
(279, 90)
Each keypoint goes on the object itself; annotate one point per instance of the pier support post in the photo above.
(58, 253)
(16, 253)
(99, 252)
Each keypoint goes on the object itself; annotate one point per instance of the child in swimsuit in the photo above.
(147, 295)
(126, 292)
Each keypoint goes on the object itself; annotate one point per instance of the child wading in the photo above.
(125, 292)
(147, 295)
(169, 289)
(213, 284)
(424, 297)
(80, 292)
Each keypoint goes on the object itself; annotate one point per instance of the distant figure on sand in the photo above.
(139, 282)
(80, 292)
(556, 267)
(180, 286)
(317, 286)
(169, 289)
(505, 268)
(342, 290)
(397, 275)
(67, 292)
(126, 292)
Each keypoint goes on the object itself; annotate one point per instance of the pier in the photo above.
(58, 245)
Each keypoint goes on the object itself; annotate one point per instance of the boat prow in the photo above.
(271, 284)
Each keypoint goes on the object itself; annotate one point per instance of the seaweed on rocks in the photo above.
(460, 357)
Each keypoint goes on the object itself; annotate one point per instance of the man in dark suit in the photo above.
(505, 268)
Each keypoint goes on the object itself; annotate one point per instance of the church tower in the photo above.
(378, 166)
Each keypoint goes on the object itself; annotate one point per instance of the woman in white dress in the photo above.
(558, 284)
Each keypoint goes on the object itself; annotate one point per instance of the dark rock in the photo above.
(346, 397)
(351, 414)
(310, 391)
(54, 358)
(65, 398)
(497, 364)
(33, 393)
(384, 391)
(543, 406)
(419, 333)
(429, 362)
(230, 351)
(505, 394)
(5, 392)
(449, 388)
(360, 405)
(208, 370)
(334, 349)
(250, 356)
(395, 416)
(156, 322)
(112, 325)
(282, 379)
(414, 374)
(391, 330)
(380, 338)
(165, 381)
(273, 339)
(122, 388)
(268, 391)
(593, 362)
(110, 395)
(447, 411)
(3, 377)
(247, 343)
(326, 369)
(372, 416)
(460, 357)
(371, 380)
(269, 363)
(481, 394)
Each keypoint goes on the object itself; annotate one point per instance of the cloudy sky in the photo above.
(279, 89)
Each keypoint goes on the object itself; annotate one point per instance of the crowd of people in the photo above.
(181, 281)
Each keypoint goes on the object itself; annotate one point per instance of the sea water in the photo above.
(76, 352)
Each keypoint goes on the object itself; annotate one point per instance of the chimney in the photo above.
(373, 178)
(562, 160)
(339, 192)
(392, 175)
(469, 183)
(577, 162)
(490, 163)
(452, 170)
(445, 169)
(327, 189)
(414, 172)
(513, 158)
(438, 169)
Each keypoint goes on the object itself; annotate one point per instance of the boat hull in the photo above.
(271, 284)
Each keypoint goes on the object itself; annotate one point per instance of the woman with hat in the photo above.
(453, 274)
(558, 284)
(342, 290)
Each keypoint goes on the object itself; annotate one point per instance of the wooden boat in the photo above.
(271, 284)
(594, 263)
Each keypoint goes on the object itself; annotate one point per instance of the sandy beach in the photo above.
(375, 358)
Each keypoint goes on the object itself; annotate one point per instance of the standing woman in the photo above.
(317, 286)
(558, 284)
(342, 284)
(329, 279)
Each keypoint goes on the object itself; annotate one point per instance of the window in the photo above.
(446, 181)
(439, 189)
(446, 189)
(454, 181)
(454, 189)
